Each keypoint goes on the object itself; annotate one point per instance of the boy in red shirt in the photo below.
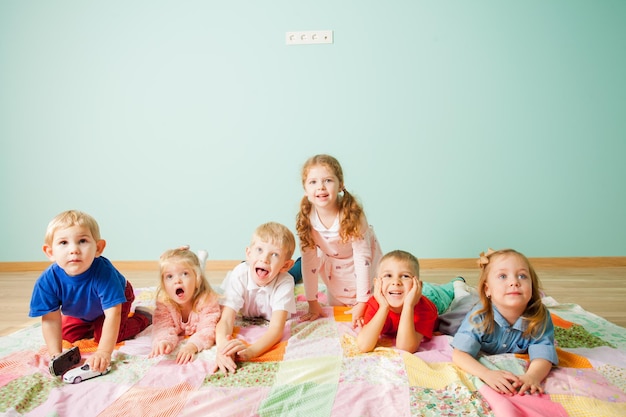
(398, 308)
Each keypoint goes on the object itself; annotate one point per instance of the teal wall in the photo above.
(460, 125)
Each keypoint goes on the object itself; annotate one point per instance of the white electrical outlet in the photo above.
(308, 37)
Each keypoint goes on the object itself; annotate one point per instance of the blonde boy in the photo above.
(82, 295)
(259, 287)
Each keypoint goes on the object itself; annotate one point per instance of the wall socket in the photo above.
(308, 37)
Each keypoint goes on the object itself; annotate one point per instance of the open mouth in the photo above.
(262, 273)
(180, 292)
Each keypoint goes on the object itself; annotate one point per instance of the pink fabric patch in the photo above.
(85, 399)
(371, 400)
(253, 333)
(437, 349)
(192, 373)
(522, 405)
(584, 383)
(6, 378)
(232, 402)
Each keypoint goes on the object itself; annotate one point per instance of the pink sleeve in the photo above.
(163, 325)
(310, 265)
(367, 254)
(208, 316)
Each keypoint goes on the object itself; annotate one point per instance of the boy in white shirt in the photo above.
(259, 287)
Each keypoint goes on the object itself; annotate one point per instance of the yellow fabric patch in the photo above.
(300, 371)
(588, 407)
(434, 375)
(350, 348)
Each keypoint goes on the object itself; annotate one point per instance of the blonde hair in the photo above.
(278, 235)
(350, 210)
(403, 256)
(71, 218)
(183, 256)
(536, 313)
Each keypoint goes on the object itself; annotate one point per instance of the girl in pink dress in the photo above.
(186, 307)
(336, 242)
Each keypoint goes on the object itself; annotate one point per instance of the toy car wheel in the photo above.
(77, 380)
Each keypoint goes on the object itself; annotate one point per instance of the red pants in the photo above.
(75, 329)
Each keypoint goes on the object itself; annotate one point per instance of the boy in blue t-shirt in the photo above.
(82, 295)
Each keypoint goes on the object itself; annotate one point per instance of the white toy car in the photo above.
(81, 373)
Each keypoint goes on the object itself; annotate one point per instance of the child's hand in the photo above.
(503, 382)
(357, 311)
(378, 293)
(415, 293)
(99, 361)
(315, 312)
(186, 353)
(529, 383)
(245, 354)
(224, 361)
(233, 347)
(161, 348)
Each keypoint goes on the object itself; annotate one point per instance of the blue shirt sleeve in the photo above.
(46, 295)
(110, 284)
(467, 338)
(543, 348)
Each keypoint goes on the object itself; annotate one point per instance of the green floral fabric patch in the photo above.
(455, 400)
(577, 337)
(249, 374)
(26, 393)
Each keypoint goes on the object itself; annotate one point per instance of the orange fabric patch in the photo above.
(571, 360)
(275, 354)
(86, 345)
(340, 314)
(560, 322)
(566, 359)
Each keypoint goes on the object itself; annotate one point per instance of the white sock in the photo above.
(202, 257)
(460, 289)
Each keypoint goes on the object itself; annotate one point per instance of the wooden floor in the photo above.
(601, 291)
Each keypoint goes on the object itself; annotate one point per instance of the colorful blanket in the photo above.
(316, 370)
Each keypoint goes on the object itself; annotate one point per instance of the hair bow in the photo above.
(484, 257)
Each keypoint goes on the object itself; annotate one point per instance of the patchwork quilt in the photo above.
(316, 370)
